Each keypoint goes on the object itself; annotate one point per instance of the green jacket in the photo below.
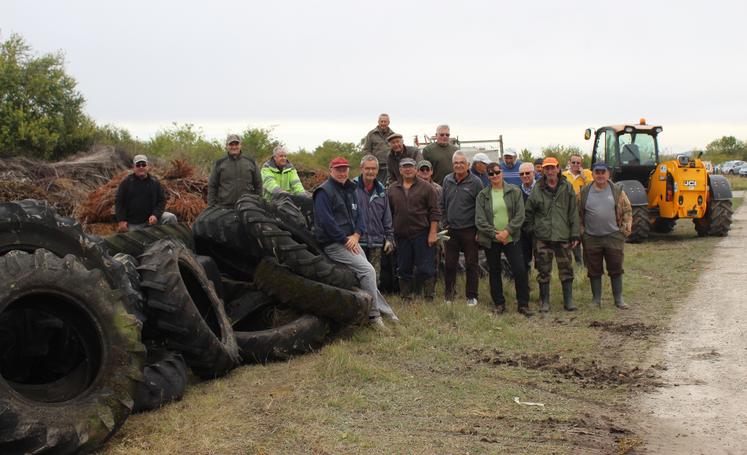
(484, 214)
(283, 180)
(231, 178)
(552, 216)
(440, 157)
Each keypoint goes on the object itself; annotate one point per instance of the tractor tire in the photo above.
(29, 225)
(212, 272)
(184, 311)
(134, 243)
(239, 309)
(165, 379)
(664, 225)
(308, 296)
(274, 241)
(218, 234)
(287, 209)
(130, 285)
(641, 225)
(234, 289)
(70, 355)
(717, 221)
(300, 336)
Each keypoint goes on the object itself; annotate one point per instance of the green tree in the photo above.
(526, 156)
(726, 148)
(185, 142)
(563, 153)
(259, 143)
(330, 149)
(41, 111)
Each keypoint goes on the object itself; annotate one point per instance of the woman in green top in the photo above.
(499, 214)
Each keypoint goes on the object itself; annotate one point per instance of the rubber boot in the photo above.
(617, 291)
(429, 288)
(568, 296)
(405, 290)
(524, 309)
(544, 297)
(596, 291)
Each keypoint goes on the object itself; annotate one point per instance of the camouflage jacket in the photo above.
(623, 209)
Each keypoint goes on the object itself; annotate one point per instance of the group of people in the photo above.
(404, 199)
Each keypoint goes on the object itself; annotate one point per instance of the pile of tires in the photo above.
(92, 330)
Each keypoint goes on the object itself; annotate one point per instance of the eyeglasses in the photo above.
(575, 162)
(460, 163)
(525, 173)
(444, 134)
(493, 173)
(141, 164)
(424, 169)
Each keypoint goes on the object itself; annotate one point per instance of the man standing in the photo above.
(279, 175)
(578, 177)
(479, 168)
(458, 205)
(606, 218)
(425, 172)
(374, 205)
(510, 167)
(537, 168)
(398, 151)
(339, 225)
(439, 153)
(376, 144)
(416, 215)
(526, 174)
(552, 218)
(233, 176)
(140, 201)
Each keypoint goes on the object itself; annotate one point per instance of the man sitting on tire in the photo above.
(279, 175)
(140, 200)
(233, 176)
(338, 226)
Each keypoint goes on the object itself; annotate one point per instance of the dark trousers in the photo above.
(521, 280)
(526, 250)
(383, 174)
(415, 252)
(461, 240)
(607, 249)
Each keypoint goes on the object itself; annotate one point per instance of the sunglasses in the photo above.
(444, 134)
(525, 173)
(493, 173)
(141, 164)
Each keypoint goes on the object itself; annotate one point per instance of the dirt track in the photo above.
(703, 407)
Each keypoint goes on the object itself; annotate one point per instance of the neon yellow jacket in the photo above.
(579, 181)
(276, 180)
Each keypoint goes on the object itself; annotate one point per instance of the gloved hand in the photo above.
(389, 246)
(442, 237)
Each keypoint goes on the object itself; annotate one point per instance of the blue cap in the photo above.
(600, 165)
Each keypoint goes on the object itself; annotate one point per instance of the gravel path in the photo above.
(703, 410)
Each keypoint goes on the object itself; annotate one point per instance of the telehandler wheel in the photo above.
(717, 221)
(664, 225)
(641, 225)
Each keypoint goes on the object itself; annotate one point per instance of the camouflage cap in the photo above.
(233, 138)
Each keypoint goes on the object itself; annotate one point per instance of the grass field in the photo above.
(737, 183)
(445, 381)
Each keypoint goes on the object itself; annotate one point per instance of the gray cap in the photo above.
(481, 158)
(233, 138)
(425, 163)
(140, 158)
(406, 162)
(393, 136)
(509, 152)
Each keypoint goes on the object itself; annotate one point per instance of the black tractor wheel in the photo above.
(184, 312)
(134, 243)
(664, 225)
(717, 221)
(296, 337)
(308, 296)
(641, 225)
(70, 355)
(218, 234)
(165, 379)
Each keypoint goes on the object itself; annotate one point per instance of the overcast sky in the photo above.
(537, 72)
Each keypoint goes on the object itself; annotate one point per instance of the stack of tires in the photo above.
(92, 330)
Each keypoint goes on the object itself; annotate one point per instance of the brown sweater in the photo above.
(414, 209)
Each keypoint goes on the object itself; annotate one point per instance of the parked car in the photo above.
(732, 167)
(743, 171)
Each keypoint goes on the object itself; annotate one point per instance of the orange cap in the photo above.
(550, 161)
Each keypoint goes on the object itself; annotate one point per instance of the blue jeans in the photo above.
(415, 252)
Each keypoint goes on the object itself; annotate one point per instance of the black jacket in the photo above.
(137, 199)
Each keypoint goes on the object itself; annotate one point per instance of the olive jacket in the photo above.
(552, 216)
(484, 214)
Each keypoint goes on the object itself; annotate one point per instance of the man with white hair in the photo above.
(375, 143)
(526, 174)
(279, 175)
(439, 153)
(458, 201)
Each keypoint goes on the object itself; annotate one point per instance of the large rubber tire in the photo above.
(717, 221)
(664, 225)
(641, 225)
(165, 379)
(287, 209)
(130, 285)
(29, 225)
(249, 303)
(70, 355)
(271, 240)
(212, 272)
(218, 234)
(309, 296)
(184, 311)
(134, 243)
(300, 336)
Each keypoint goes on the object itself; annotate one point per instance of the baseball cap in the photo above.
(139, 158)
(425, 163)
(393, 136)
(509, 152)
(233, 138)
(339, 162)
(550, 161)
(538, 161)
(406, 162)
(481, 158)
(599, 165)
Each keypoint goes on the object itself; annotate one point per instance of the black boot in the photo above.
(596, 291)
(405, 290)
(524, 309)
(544, 297)
(429, 288)
(568, 296)
(617, 291)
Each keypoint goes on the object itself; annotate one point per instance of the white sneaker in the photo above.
(471, 302)
(448, 302)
